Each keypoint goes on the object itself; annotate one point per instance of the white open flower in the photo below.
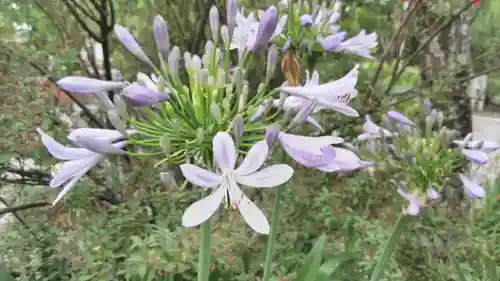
(225, 182)
(93, 144)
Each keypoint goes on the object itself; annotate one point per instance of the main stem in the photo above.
(204, 255)
(272, 235)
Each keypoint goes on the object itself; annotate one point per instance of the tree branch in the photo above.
(23, 207)
(80, 21)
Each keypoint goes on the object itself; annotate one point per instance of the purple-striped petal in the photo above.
(271, 176)
(254, 159)
(199, 176)
(224, 151)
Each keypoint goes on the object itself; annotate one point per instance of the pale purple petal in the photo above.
(99, 146)
(254, 159)
(63, 172)
(102, 134)
(252, 215)
(224, 150)
(413, 206)
(60, 151)
(315, 123)
(271, 176)
(432, 193)
(131, 44)
(306, 20)
(332, 42)
(271, 134)
(471, 188)
(199, 176)
(85, 85)
(427, 106)
(71, 184)
(203, 209)
(400, 118)
(475, 156)
(360, 44)
(139, 96)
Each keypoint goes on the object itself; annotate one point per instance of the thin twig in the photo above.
(23, 207)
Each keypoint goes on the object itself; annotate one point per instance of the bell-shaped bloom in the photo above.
(360, 44)
(413, 207)
(475, 156)
(399, 118)
(160, 29)
(85, 85)
(137, 95)
(93, 145)
(471, 188)
(373, 131)
(342, 160)
(224, 184)
(306, 20)
(131, 44)
(330, 95)
(307, 150)
(427, 106)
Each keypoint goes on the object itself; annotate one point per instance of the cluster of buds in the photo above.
(422, 156)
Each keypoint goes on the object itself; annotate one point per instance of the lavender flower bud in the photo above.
(434, 114)
(138, 96)
(238, 127)
(168, 179)
(272, 57)
(266, 29)
(387, 123)
(400, 118)
(173, 63)
(161, 36)
(306, 21)
(232, 10)
(271, 134)
(196, 63)
(214, 23)
(131, 44)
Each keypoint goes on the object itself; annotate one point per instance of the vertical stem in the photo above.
(383, 261)
(204, 255)
(272, 235)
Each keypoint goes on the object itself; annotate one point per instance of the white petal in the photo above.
(199, 176)
(252, 215)
(224, 150)
(310, 144)
(102, 134)
(255, 159)
(203, 209)
(71, 184)
(65, 171)
(60, 151)
(268, 177)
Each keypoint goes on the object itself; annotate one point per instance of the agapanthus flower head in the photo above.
(224, 182)
(372, 131)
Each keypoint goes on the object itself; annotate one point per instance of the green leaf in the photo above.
(5, 157)
(310, 268)
(491, 268)
(378, 272)
(456, 265)
(332, 266)
(5, 274)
